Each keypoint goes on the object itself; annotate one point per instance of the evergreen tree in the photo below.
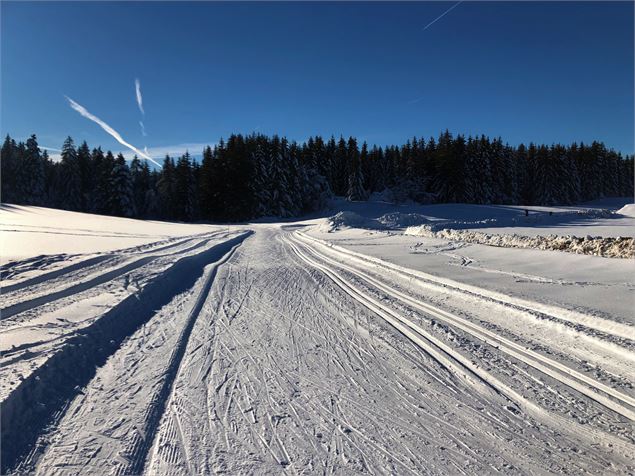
(184, 196)
(355, 190)
(166, 187)
(121, 199)
(9, 170)
(70, 186)
(206, 185)
(100, 196)
(262, 185)
(340, 168)
(140, 177)
(256, 175)
(86, 174)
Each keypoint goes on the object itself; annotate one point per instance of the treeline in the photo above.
(252, 176)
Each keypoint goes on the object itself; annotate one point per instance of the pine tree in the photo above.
(9, 170)
(31, 173)
(206, 190)
(262, 184)
(70, 177)
(166, 186)
(341, 167)
(122, 200)
(256, 175)
(86, 174)
(102, 169)
(184, 196)
(282, 204)
(355, 190)
(140, 176)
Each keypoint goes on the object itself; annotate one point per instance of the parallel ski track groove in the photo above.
(569, 377)
(39, 400)
(573, 318)
(29, 304)
(164, 395)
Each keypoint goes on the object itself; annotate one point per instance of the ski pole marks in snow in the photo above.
(82, 110)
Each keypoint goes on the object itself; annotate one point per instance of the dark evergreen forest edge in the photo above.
(252, 176)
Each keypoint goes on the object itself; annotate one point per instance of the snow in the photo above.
(49, 231)
(504, 226)
(627, 210)
(337, 344)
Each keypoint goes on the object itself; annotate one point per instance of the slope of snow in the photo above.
(24, 229)
(599, 218)
(595, 231)
(304, 348)
(627, 210)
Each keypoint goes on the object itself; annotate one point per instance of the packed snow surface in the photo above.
(48, 231)
(496, 226)
(627, 210)
(339, 346)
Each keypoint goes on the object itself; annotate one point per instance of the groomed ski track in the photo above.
(261, 349)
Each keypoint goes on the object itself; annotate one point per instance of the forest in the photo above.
(247, 177)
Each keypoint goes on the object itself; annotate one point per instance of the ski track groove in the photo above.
(594, 391)
(104, 277)
(318, 388)
(84, 363)
(164, 395)
(449, 358)
(538, 310)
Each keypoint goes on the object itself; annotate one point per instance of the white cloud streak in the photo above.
(442, 15)
(137, 86)
(416, 100)
(143, 129)
(80, 109)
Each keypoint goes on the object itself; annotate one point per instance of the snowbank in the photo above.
(393, 220)
(608, 247)
(510, 227)
(346, 219)
(627, 210)
(400, 220)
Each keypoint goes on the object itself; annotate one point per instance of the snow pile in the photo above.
(533, 219)
(627, 210)
(388, 221)
(596, 213)
(346, 219)
(401, 220)
(608, 247)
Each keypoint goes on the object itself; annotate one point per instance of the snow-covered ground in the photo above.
(333, 345)
(548, 228)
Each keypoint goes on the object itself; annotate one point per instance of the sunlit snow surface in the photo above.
(327, 345)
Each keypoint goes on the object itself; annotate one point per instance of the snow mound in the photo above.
(346, 219)
(400, 220)
(393, 220)
(627, 210)
(608, 247)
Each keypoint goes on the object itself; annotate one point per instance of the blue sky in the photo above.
(533, 71)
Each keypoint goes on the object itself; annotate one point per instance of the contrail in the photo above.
(143, 129)
(137, 85)
(442, 15)
(79, 108)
